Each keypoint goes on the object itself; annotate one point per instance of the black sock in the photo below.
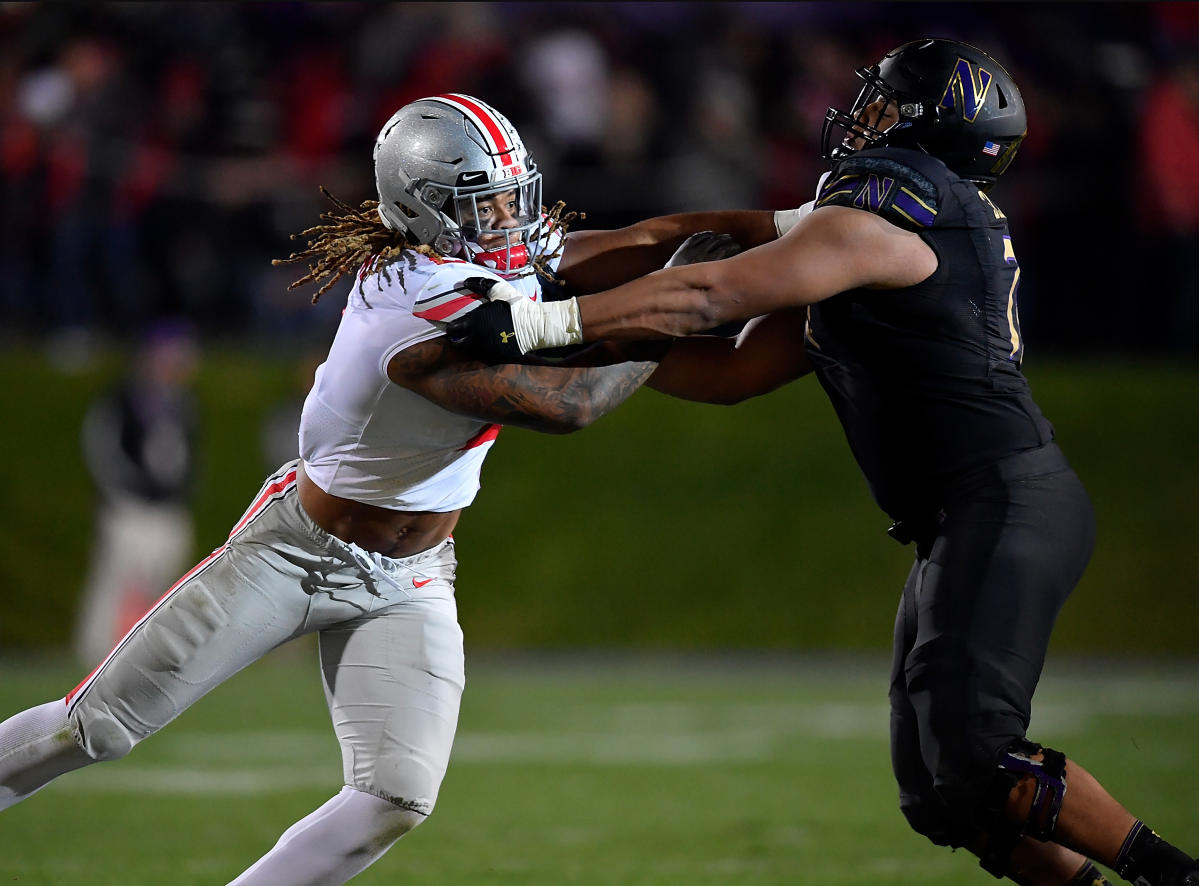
(1146, 859)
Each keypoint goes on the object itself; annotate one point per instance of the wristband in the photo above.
(785, 220)
(547, 324)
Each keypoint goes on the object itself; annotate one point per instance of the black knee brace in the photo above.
(1016, 763)
(1050, 775)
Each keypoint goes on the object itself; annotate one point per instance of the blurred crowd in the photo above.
(154, 157)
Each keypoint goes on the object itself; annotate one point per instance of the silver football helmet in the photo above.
(453, 173)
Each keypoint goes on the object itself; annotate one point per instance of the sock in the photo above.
(1146, 859)
(332, 844)
(37, 746)
(1089, 875)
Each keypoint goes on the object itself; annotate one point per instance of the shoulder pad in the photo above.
(442, 296)
(894, 183)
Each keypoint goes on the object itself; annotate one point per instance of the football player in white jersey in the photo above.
(353, 540)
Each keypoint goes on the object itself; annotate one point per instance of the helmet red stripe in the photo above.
(484, 116)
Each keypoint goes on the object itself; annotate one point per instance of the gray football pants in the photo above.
(390, 646)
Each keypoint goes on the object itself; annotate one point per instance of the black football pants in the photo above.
(972, 630)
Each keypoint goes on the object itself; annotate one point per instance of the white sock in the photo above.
(36, 746)
(337, 841)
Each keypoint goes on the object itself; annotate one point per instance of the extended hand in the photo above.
(487, 333)
(704, 246)
(709, 246)
(510, 324)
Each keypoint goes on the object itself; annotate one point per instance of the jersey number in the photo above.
(1013, 310)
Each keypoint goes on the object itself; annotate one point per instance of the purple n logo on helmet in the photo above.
(966, 90)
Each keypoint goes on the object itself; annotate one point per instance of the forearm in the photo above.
(604, 353)
(693, 370)
(669, 303)
(768, 353)
(598, 260)
(552, 399)
(749, 227)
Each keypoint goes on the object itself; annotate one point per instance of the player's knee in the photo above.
(104, 737)
(964, 769)
(1030, 787)
(408, 781)
(930, 817)
(399, 820)
(1021, 785)
(402, 814)
(389, 817)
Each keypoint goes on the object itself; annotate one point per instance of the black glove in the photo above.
(704, 246)
(487, 332)
(556, 290)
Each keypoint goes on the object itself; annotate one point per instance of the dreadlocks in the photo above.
(556, 219)
(345, 243)
(358, 237)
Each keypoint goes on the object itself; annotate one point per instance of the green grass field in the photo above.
(584, 770)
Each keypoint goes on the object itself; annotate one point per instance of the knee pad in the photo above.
(400, 821)
(380, 820)
(403, 780)
(102, 736)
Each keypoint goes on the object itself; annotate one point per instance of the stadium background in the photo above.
(155, 157)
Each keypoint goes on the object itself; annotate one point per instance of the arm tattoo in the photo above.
(548, 398)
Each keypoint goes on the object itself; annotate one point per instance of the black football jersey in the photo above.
(926, 380)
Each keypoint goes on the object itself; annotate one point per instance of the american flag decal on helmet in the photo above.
(991, 149)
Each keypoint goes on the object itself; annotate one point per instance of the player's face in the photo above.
(498, 213)
(881, 114)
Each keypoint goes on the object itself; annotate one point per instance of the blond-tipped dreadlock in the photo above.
(358, 236)
(346, 242)
(556, 219)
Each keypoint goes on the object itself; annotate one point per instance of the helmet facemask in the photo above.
(880, 116)
(499, 226)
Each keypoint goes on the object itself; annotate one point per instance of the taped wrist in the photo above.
(546, 325)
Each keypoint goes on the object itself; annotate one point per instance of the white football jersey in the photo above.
(365, 438)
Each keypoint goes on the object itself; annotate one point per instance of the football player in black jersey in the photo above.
(898, 287)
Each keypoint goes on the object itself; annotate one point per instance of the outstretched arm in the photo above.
(767, 354)
(598, 260)
(830, 251)
(548, 398)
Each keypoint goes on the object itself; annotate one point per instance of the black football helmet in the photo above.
(952, 101)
